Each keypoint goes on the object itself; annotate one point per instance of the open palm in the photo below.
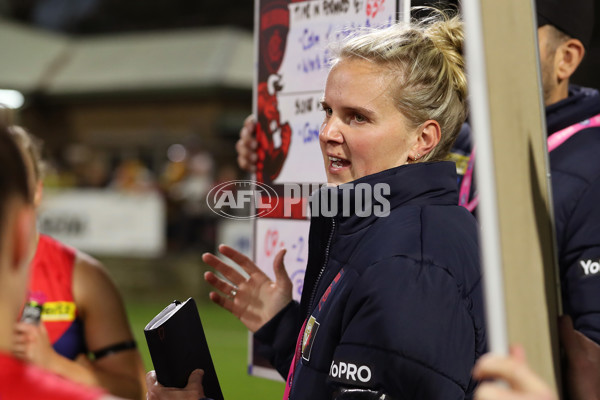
(254, 299)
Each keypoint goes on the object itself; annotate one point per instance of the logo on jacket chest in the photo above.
(590, 267)
(310, 332)
(312, 325)
(349, 372)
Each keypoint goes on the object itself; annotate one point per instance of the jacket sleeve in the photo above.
(276, 340)
(408, 332)
(580, 263)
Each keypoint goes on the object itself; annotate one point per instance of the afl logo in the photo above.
(232, 198)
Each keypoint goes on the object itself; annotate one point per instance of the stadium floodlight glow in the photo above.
(11, 98)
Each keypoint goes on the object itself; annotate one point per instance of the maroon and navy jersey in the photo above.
(51, 284)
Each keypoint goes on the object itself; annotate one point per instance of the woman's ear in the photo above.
(37, 196)
(428, 136)
(23, 231)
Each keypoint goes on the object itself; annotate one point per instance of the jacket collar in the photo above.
(581, 104)
(357, 204)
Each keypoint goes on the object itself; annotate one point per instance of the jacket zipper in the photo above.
(314, 291)
(313, 294)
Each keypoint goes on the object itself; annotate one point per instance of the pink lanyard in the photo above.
(465, 186)
(558, 138)
(295, 360)
(554, 141)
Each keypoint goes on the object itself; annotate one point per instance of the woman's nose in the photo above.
(331, 130)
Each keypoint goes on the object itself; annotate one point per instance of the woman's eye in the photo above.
(328, 111)
(359, 118)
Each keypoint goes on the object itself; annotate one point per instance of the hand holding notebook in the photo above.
(178, 346)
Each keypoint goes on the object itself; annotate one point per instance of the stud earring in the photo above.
(417, 157)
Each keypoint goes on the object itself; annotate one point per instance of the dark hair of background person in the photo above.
(587, 72)
(13, 173)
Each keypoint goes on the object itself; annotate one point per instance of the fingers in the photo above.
(195, 382)
(227, 270)
(222, 286)
(151, 379)
(217, 283)
(20, 340)
(247, 157)
(20, 350)
(518, 353)
(222, 301)
(24, 328)
(23, 334)
(281, 275)
(516, 373)
(492, 366)
(151, 384)
(493, 391)
(240, 259)
(32, 333)
(246, 145)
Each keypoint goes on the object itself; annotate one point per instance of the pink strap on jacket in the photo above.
(295, 360)
(465, 186)
(554, 141)
(558, 138)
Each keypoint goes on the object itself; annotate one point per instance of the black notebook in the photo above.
(178, 346)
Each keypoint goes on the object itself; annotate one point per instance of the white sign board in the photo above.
(104, 222)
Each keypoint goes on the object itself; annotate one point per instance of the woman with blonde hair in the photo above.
(392, 303)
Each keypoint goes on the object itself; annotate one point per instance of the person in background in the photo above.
(392, 303)
(573, 122)
(18, 379)
(84, 333)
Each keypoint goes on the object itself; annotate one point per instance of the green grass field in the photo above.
(228, 341)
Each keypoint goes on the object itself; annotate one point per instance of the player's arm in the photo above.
(118, 366)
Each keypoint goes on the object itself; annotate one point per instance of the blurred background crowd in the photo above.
(138, 105)
(137, 97)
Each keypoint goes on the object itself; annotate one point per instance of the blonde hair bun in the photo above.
(427, 67)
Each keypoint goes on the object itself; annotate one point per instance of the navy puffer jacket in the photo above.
(575, 170)
(575, 177)
(391, 304)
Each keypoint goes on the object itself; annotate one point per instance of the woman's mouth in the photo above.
(336, 162)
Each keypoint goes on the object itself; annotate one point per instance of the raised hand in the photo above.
(254, 299)
(246, 145)
(523, 383)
